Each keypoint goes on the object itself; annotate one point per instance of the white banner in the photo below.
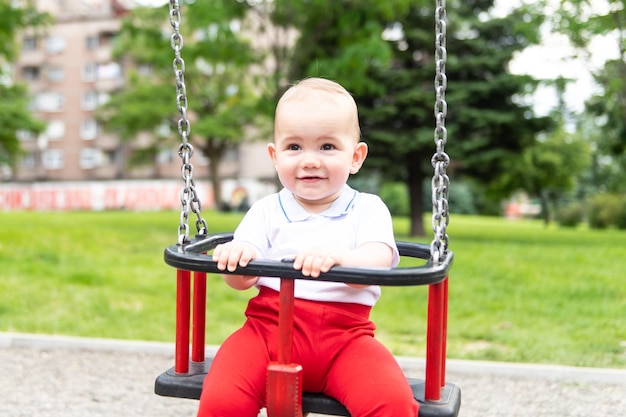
(96, 195)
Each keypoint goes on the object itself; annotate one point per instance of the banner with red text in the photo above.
(96, 195)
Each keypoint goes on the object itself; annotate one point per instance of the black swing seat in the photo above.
(192, 257)
(189, 385)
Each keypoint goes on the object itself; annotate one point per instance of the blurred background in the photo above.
(536, 102)
(536, 131)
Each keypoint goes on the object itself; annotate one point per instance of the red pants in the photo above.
(334, 343)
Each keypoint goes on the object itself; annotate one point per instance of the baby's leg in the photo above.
(235, 384)
(366, 378)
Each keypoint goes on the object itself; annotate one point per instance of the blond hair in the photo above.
(301, 88)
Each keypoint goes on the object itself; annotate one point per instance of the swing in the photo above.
(437, 398)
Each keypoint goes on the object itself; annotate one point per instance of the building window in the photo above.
(90, 100)
(231, 155)
(90, 158)
(201, 159)
(24, 135)
(163, 129)
(165, 156)
(108, 157)
(54, 45)
(29, 160)
(90, 72)
(56, 74)
(30, 43)
(107, 38)
(91, 42)
(55, 129)
(93, 99)
(52, 159)
(49, 102)
(110, 71)
(89, 129)
(30, 73)
(103, 98)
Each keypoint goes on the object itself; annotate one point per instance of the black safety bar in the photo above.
(192, 257)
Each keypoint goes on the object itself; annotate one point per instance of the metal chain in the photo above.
(188, 195)
(440, 160)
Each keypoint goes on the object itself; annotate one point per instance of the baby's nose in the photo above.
(310, 160)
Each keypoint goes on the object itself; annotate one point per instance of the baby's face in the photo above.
(316, 147)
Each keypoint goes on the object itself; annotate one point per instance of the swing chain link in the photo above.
(440, 160)
(188, 195)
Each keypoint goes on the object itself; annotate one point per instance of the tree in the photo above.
(221, 100)
(609, 112)
(14, 113)
(392, 79)
(14, 19)
(549, 168)
(584, 22)
(554, 164)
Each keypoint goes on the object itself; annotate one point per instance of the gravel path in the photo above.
(49, 376)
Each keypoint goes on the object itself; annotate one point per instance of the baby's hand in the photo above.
(229, 255)
(313, 263)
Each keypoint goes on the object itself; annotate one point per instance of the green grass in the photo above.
(518, 291)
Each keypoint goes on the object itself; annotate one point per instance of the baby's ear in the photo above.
(360, 153)
(271, 150)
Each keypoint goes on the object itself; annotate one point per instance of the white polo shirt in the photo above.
(279, 227)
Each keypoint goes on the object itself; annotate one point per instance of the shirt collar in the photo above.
(294, 212)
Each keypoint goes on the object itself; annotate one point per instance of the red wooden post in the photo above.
(199, 317)
(284, 379)
(183, 290)
(434, 342)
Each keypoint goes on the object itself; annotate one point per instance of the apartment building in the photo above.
(70, 72)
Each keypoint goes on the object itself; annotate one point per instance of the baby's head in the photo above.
(322, 90)
(316, 142)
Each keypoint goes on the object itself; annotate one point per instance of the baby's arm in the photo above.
(228, 256)
(371, 254)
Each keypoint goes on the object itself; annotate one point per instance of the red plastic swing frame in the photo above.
(192, 312)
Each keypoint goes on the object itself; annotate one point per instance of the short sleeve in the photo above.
(374, 224)
(252, 228)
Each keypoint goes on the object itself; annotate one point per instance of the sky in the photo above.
(553, 58)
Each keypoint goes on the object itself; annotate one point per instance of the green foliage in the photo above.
(14, 19)
(548, 168)
(395, 196)
(604, 210)
(14, 115)
(142, 106)
(572, 215)
(339, 40)
(14, 112)
(221, 97)
(556, 162)
(620, 220)
(392, 77)
(462, 199)
(581, 21)
(584, 23)
(610, 113)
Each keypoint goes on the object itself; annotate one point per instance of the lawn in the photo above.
(518, 291)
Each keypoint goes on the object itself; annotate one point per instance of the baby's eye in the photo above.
(328, 147)
(293, 147)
